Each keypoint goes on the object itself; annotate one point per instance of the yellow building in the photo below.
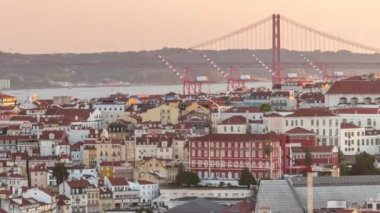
(156, 170)
(7, 100)
(197, 108)
(110, 150)
(105, 169)
(115, 169)
(89, 154)
(165, 113)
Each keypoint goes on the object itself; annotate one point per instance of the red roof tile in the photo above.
(355, 87)
(78, 183)
(357, 111)
(63, 200)
(311, 112)
(58, 134)
(348, 126)
(2, 96)
(145, 182)
(118, 181)
(237, 137)
(299, 130)
(234, 120)
(241, 207)
(312, 97)
(313, 149)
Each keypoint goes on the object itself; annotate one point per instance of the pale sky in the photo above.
(47, 26)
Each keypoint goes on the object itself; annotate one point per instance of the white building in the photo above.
(123, 194)
(77, 133)
(233, 125)
(172, 196)
(110, 111)
(251, 113)
(148, 190)
(54, 143)
(358, 91)
(362, 117)
(283, 100)
(154, 146)
(321, 121)
(355, 139)
(76, 191)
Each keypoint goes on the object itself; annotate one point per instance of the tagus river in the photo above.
(96, 92)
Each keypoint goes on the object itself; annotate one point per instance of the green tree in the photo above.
(364, 165)
(268, 149)
(246, 178)
(187, 178)
(265, 107)
(344, 170)
(308, 158)
(60, 172)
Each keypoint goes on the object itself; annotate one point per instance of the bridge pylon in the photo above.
(276, 49)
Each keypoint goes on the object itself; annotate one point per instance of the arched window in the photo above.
(354, 100)
(369, 122)
(343, 100)
(367, 100)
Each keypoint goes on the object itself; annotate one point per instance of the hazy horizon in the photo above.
(87, 26)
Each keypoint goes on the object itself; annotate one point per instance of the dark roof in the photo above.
(199, 205)
(312, 97)
(244, 206)
(310, 112)
(243, 110)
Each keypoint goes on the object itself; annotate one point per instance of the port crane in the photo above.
(234, 80)
(321, 68)
(190, 86)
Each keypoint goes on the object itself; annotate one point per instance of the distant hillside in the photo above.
(33, 71)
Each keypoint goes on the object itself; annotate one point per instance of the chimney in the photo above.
(310, 192)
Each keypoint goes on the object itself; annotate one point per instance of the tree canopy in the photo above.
(187, 178)
(265, 107)
(246, 178)
(60, 172)
(364, 165)
(308, 158)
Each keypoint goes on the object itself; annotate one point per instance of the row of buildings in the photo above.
(120, 149)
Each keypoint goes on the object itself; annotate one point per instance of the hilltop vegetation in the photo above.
(31, 71)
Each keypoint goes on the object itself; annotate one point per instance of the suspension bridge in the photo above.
(275, 34)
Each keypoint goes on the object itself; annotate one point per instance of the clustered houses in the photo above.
(118, 150)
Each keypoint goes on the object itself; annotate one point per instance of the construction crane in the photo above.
(189, 86)
(234, 79)
(321, 68)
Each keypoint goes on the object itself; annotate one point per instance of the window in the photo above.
(369, 122)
